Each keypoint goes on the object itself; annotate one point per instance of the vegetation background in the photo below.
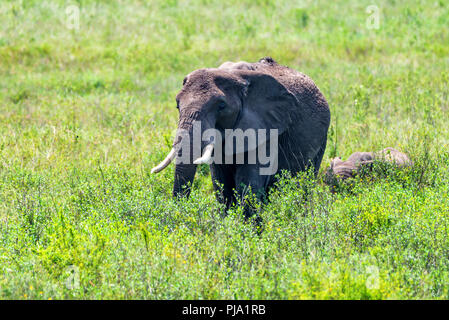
(87, 108)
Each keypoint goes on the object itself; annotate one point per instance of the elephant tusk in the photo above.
(207, 155)
(169, 158)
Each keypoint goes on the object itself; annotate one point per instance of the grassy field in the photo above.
(88, 108)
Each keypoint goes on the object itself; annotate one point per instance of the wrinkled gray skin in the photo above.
(342, 170)
(261, 95)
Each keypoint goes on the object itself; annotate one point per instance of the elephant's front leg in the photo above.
(223, 182)
(249, 182)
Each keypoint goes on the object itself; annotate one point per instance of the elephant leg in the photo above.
(223, 183)
(318, 158)
(248, 179)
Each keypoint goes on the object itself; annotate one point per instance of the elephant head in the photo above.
(223, 99)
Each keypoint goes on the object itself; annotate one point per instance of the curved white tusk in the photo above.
(207, 155)
(169, 158)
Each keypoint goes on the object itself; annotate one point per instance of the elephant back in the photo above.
(301, 86)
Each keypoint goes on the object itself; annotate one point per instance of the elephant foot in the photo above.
(255, 219)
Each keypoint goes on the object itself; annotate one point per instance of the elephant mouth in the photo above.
(205, 158)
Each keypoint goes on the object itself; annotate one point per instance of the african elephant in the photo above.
(262, 96)
(342, 170)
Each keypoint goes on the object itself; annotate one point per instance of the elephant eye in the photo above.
(221, 105)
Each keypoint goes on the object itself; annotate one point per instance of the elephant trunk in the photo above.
(187, 151)
(184, 174)
(185, 169)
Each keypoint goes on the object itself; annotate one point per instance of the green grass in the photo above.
(86, 113)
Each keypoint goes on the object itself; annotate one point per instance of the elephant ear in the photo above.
(266, 104)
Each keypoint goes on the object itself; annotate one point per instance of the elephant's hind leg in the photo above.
(318, 158)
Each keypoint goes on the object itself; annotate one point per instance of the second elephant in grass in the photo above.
(340, 170)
